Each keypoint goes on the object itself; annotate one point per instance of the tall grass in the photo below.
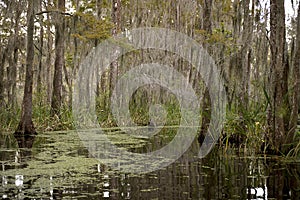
(245, 128)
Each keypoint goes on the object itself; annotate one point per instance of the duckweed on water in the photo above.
(63, 156)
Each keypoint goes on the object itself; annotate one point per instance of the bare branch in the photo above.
(53, 11)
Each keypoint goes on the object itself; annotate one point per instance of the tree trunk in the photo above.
(296, 84)
(26, 125)
(206, 103)
(246, 54)
(48, 59)
(59, 60)
(12, 99)
(207, 16)
(278, 110)
(116, 18)
(2, 62)
(98, 10)
(13, 61)
(40, 58)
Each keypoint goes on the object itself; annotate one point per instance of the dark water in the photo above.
(57, 166)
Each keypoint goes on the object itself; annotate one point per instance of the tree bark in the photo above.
(2, 62)
(116, 18)
(206, 103)
(98, 10)
(26, 125)
(13, 99)
(246, 54)
(278, 110)
(13, 61)
(295, 85)
(59, 60)
(48, 59)
(207, 16)
(40, 57)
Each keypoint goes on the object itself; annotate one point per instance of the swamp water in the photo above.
(56, 165)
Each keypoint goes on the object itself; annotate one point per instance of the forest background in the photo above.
(255, 44)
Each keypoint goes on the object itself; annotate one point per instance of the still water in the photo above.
(56, 165)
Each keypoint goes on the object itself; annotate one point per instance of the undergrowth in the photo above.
(244, 128)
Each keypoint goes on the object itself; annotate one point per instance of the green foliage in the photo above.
(42, 117)
(219, 36)
(44, 121)
(89, 27)
(295, 152)
(103, 111)
(139, 109)
(246, 127)
(9, 119)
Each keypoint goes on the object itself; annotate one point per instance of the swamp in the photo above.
(150, 99)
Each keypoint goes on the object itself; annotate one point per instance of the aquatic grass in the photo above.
(139, 110)
(41, 114)
(295, 152)
(9, 119)
(245, 127)
(44, 121)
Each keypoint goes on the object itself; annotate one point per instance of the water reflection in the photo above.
(25, 141)
(257, 193)
(57, 166)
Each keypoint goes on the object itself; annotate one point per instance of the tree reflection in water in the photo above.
(57, 166)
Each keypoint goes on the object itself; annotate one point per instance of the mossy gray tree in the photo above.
(26, 125)
(59, 58)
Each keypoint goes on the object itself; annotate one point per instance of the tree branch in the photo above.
(53, 11)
